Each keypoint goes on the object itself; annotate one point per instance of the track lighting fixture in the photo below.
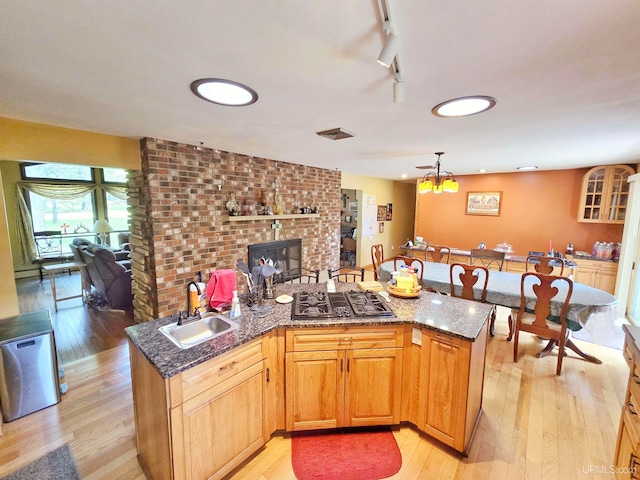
(389, 51)
(398, 91)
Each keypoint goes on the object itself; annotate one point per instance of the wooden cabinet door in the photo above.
(315, 389)
(605, 194)
(606, 280)
(625, 458)
(215, 431)
(373, 387)
(443, 388)
(585, 275)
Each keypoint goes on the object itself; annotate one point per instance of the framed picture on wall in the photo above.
(382, 213)
(353, 206)
(389, 212)
(484, 203)
(347, 218)
(381, 227)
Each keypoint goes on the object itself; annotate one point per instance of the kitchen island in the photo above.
(200, 412)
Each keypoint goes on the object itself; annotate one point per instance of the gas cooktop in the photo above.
(355, 303)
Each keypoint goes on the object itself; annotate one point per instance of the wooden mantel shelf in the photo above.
(245, 218)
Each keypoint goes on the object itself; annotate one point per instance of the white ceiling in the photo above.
(565, 73)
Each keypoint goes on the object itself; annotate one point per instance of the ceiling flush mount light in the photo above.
(525, 169)
(438, 182)
(464, 106)
(224, 92)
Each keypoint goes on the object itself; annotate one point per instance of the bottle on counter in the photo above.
(235, 306)
(594, 250)
(616, 251)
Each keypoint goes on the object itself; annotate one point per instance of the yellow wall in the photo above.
(399, 229)
(37, 142)
(25, 141)
(8, 297)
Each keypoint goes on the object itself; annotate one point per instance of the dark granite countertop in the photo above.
(454, 316)
(511, 257)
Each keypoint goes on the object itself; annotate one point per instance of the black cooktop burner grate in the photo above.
(307, 305)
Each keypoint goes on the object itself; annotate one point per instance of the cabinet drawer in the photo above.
(209, 374)
(309, 339)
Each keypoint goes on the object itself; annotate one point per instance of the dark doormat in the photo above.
(368, 455)
(56, 465)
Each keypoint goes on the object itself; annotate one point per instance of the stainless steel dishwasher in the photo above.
(28, 365)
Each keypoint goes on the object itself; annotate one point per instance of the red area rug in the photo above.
(370, 455)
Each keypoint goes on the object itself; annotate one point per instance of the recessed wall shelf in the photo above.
(245, 218)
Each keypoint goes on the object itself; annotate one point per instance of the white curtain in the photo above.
(24, 228)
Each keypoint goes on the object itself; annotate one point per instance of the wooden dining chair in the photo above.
(491, 259)
(347, 274)
(377, 257)
(416, 263)
(470, 276)
(438, 254)
(539, 320)
(300, 275)
(545, 265)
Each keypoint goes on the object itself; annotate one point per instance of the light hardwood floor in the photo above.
(534, 425)
(80, 330)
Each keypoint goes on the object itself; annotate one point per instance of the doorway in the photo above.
(348, 227)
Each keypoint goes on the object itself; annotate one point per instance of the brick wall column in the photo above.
(180, 223)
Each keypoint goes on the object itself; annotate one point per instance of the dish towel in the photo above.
(220, 288)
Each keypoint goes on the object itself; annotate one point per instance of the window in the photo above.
(56, 171)
(71, 210)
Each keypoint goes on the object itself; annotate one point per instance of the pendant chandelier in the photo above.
(438, 182)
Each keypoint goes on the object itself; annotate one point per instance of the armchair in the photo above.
(110, 278)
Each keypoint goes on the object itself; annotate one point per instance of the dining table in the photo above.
(590, 308)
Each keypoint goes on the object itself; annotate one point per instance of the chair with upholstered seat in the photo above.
(470, 276)
(491, 259)
(299, 275)
(438, 254)
(377, 257)
(538, 263)
(347, 274)
(416, 263)
(538, 318)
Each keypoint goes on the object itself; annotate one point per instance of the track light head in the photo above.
(389, 51)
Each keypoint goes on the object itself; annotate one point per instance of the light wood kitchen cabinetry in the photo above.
(627, 454)
(597, 274)
(605, 193)
(451, 383)
(203, 422)
(337, 377)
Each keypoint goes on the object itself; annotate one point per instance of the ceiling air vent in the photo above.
(336, 134)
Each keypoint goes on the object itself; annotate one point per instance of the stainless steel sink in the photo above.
(208, 327)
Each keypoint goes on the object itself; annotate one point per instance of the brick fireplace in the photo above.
(180, 224)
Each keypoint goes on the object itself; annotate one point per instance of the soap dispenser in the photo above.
(235, 306)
